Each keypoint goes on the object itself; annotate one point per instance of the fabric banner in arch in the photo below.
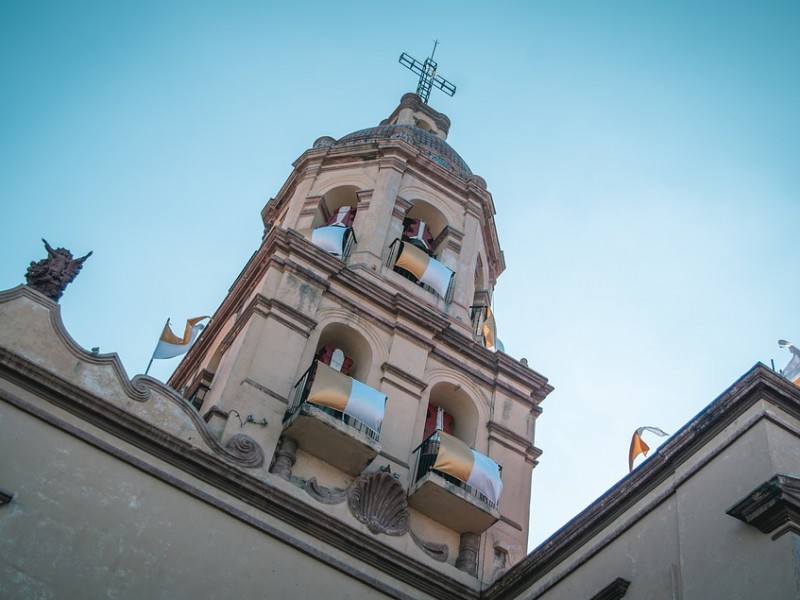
(345, 394)
(332, 239)
(425, 268)
(473, 468)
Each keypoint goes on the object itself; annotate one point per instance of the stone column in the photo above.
(285, 456)
(467, 559)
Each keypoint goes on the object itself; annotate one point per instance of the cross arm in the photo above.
(411, 63)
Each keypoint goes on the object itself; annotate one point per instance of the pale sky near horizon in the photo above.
(644, 160)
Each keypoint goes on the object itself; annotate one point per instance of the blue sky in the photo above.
(644, 160)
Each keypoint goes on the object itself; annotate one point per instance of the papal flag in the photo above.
(792, 370)
(340, 392)
(490, 331)
(473, 468)
(638, 445)
(425, 268)
(170, 345)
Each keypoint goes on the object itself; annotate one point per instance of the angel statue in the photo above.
(53, 274)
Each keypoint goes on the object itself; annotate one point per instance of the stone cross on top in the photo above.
(427, 75)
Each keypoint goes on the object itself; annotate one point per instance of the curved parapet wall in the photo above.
(37, 353)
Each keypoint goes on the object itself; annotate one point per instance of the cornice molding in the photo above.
(403, 380)
(513, 441)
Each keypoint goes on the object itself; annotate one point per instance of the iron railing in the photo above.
(425, 458)
(300, 395)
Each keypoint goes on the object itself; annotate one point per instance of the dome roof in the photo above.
(430, 145)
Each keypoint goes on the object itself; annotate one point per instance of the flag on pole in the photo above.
(638, 445)
(473, 468)
(170, 345)
(792, 370)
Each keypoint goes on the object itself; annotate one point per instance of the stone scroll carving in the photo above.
(53, 274)
(245, 449)
(323, 494)
(435, 550)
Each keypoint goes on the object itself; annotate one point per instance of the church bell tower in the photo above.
(357, 348)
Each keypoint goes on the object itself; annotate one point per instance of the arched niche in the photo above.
(351, 343)
(332, 201)
(452, 398)
(431, 216)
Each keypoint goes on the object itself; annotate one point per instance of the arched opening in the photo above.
(414, 255)
(354, 352)
(450, 455)
(459, 414)
(483, 325)
(333, 382)
(333, 221)
(423, 226)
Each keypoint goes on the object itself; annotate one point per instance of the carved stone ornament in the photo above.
(246, 449)
(53, 274)
(436, 550)
(468, 548)
(378, 501)
(285, 458)
(323, 494)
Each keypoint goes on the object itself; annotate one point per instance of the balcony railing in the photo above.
(425, 459)
(300, 398)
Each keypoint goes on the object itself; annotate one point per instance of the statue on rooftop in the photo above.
(53, 274)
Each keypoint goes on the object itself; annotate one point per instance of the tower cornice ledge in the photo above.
(513, 441)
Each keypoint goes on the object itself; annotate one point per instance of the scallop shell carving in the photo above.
(378, 501)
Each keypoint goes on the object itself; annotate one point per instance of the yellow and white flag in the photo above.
(473, 468)
(490, 331)
(170, 345)
(425, 268)
(340, 392)
(638, 445)
(792, 370)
